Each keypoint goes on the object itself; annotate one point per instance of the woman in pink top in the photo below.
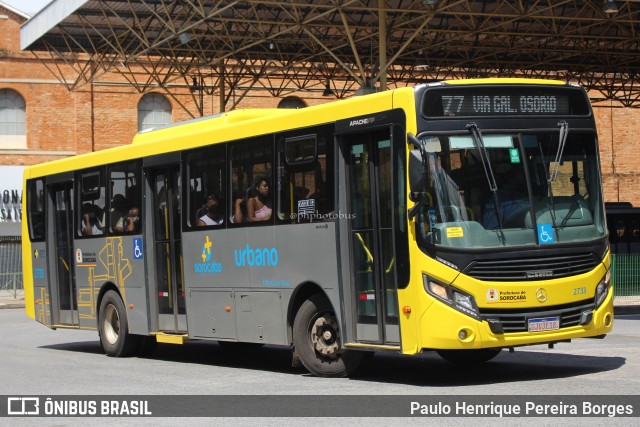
(259, 207)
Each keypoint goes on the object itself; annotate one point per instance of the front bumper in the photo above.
(442, 327)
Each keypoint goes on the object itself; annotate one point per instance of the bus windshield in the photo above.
(518, 189)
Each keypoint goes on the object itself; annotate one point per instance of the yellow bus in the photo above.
(462, 217)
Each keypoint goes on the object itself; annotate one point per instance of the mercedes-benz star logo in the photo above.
(541, 295)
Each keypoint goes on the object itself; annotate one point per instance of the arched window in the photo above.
(292, 102)
(154, 110)
(13, 129)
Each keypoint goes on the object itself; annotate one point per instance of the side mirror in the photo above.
(416, 172)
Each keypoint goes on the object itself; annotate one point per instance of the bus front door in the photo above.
(370, 208)
(166, 189)
(64, 286)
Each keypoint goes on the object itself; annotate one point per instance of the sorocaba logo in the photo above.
(206, 250)
(207, 265)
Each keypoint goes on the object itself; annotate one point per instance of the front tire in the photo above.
(469, 357)
(113, 327)
(317, 341)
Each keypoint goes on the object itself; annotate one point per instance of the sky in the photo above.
(30, 7)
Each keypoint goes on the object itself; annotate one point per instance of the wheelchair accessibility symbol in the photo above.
(137, 248)
(545, 234)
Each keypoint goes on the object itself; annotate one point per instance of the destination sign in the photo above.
(504, 100)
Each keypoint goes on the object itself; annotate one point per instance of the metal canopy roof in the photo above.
(289, 45)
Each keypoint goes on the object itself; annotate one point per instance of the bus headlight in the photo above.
(602, 290)
(454, 297)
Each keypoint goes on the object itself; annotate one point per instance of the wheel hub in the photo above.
(325, 336)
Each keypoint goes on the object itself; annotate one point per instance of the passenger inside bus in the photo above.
(259, 206)
(131, 224)
(211, 212)
(90, 224)
(119, 212)
(239, 207)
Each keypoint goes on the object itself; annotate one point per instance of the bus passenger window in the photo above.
(35, 209)
(305, 176)
(251, 175)
(92, 203)
(126, 198)
(206, 192)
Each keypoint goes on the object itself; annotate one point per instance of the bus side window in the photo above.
(304, 188)
(251, 166)
(35, 209)
(206, 171)
(126, 198)
(92, 203)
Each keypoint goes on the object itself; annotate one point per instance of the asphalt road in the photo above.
(35, 360)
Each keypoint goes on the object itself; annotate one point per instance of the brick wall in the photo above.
(104, 115)
(619, 139)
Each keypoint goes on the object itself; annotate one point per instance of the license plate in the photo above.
(544, 324)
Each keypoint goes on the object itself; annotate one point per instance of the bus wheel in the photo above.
(469, 357)
(316, 338)
(114, 329)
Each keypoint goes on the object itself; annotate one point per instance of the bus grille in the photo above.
(514, 321)
(539, 268)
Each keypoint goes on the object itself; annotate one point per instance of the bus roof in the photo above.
(220, 119)
(506, 80)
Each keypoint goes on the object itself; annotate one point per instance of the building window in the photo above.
(12, 120)
(292, 102)
(154, 110)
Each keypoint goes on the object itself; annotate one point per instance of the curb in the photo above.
(12, 305)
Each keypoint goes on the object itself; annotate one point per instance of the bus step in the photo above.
(162, 337)
(373, 346)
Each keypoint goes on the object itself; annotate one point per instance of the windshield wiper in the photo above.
(562, 139)
(486, 165)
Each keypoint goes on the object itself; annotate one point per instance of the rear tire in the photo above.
(469, 357)
(317, 341)
(113, 327)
